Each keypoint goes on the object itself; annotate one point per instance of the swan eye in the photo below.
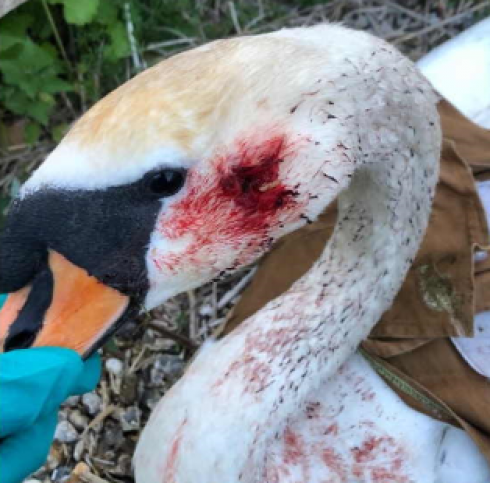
(166, 182)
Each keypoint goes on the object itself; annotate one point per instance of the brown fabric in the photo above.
(439, 286)
(439, 367)
(442, 292)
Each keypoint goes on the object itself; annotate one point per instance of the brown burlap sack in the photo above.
(410, 346)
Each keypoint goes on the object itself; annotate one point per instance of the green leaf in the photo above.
(119, 44)
(107, 12)
(46, 98)
(32, 133)
(40, 111)
(15, 24)
(80, 12)
(55, 85)
(15, 100)
(14, 49)
(58, 132)
(9, 40)
(31, 60)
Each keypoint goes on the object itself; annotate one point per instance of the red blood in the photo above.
(333, 429)
(365, 452)
(296, 453)
(335, 463)
(293, 448)
(381, 458)
(251, 365)
(253, 181)
(171, 461)
(234, 201)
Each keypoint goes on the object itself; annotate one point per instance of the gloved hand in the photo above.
(33, 384)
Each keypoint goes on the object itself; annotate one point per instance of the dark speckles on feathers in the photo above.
(330, 178)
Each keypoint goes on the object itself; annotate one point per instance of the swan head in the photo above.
(190, 170)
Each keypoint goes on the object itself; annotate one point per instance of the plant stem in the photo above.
(57, 36)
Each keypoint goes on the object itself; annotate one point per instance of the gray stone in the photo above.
(72, 401)
(61, 474)
(130, 419)
(114, 366)
(65, 432)
(166, 366)
(92, 403)
(79, 420)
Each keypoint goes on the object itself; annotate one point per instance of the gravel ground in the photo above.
(97, 433)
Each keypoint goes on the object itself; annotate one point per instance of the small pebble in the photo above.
(129, 331)
(65, 432)
(72, 401)
(129, 389)
(111, 437)
(79, 420)
(151, 397)
(168, 345)
(79, 449)
(61, 474)
(148, 336)
(63, 414)
(130, 419)
(166, 366)
(114, 366)
(206, 310)
(480, 256)
(92, 403)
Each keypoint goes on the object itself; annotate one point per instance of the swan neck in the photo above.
(283, 353)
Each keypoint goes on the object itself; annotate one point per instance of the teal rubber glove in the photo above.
(33, 384)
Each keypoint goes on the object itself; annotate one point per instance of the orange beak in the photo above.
(82, 312)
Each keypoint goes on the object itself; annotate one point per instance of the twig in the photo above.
(234, 17)
(132, 40)
(99, 418)
(188, 343)
(193, 330)
(447, 21)
(68, 104)
(82, 474)
(408, 12)
(57, 36)
(233, 292)
(170, 43)
(134, 365)
(214, 299)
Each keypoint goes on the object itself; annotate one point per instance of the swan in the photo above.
(193, 169)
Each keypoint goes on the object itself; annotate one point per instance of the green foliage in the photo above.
(79, 12)
(54, 47)
(30, 71)
(58, 57)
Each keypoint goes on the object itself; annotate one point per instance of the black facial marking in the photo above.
(29, 321)
(106, 232)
